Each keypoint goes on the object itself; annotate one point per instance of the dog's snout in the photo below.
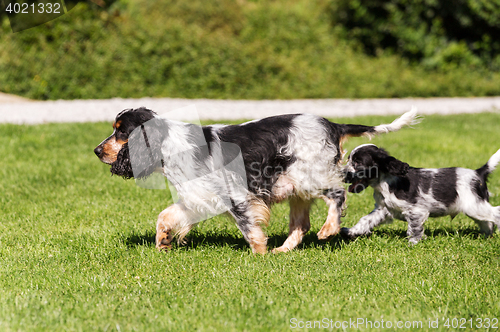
(348, 173)
(348, 176)
(98, 151)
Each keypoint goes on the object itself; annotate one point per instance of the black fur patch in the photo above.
(480, 185)
(425, 181)
(355, 129)
(480, 188)
(261, 143)
(131, 119)
(406, 187)
(209, 137)
(444, 186)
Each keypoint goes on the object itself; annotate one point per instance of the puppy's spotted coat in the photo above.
(414, 194)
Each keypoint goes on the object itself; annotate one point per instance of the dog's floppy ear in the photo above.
(144, 147)
(122, 166)
(396, 167)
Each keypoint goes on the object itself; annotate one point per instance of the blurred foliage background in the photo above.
(258, 50)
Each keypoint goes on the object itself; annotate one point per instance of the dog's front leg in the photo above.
(171, 219)
(366, 224)
(299, 224)
(335, 199)
(415, 225)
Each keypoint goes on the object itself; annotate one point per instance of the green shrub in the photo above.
(219, 49)
(441, 34)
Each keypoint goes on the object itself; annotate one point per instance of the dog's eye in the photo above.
(120, 135)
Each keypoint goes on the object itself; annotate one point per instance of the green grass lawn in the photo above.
(77, 247)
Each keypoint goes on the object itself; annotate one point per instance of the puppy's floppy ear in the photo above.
(145, 147)
(390, 164)
(396, 167)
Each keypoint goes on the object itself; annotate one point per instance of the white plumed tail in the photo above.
(408, 119)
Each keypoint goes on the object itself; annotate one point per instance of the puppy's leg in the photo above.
(335, 199)
(299, 224)
(497, 216)
(367, 223)
(486, 216)
(248, 217)
(415, 226)
(172, 218)
(486, 227)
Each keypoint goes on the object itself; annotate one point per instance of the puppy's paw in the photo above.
(412, 241)
(347, 234)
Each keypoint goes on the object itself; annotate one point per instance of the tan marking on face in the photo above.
(110, 149)
(117, 124)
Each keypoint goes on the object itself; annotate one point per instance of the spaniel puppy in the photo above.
(414, 194)
(289, 157)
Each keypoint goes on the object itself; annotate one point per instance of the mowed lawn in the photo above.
(77, 248)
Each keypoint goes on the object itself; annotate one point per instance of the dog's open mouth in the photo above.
(358, 185)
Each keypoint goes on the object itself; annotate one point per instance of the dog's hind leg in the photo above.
(486, 216)
(172, 219)
(497, 216)
(299, 224)
(486, 227)
(249, 216)
(335, 199)
(366, 224)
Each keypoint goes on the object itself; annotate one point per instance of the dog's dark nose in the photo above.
(348, 176)
(98, 151)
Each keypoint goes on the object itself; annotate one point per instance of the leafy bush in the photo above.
(439, 33)
(215, 49)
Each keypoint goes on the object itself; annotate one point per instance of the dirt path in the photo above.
(18, 110)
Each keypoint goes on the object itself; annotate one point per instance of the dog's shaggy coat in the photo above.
(293, 157)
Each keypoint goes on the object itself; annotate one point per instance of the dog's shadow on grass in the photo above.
(442, 232)
(193, 240)
(198, 240)
(450, 231)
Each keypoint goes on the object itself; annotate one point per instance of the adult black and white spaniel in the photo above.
(414, 194)
(293, 157)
